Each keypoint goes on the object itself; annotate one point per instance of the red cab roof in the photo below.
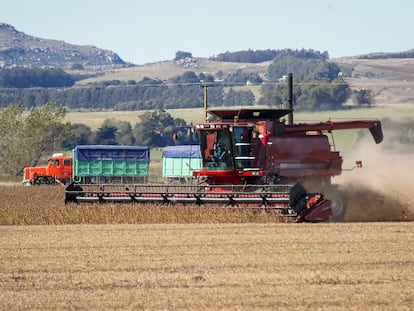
(249, 114)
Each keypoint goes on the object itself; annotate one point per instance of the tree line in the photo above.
(155, 128)
(178, 92)
(318, 85)
(406, 54)
(260, 56)
(28, 78)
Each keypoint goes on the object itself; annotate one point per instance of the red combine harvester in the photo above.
(253, 158)
(255, 149)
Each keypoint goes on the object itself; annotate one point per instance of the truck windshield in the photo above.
(216, 149)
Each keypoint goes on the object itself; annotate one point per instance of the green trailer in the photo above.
(180, 161)
(110, 164)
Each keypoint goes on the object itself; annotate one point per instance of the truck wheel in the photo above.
(41, 180)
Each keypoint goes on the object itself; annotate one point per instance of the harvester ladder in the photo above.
(245, 157)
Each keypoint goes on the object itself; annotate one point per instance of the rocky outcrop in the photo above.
(18, 49)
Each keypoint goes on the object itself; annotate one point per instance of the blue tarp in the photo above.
(182, 151)
(111, 153)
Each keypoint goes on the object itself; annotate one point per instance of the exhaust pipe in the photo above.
(290, 98)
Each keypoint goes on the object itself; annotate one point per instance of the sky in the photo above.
(149, 31)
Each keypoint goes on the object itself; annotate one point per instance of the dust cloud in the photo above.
(383, 189)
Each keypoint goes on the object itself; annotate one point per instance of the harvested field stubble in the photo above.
(351, 266)
(177, 258)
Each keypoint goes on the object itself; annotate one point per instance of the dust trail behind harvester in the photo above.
(383, 190)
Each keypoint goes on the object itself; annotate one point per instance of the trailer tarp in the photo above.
(182, 151)
(89, 153)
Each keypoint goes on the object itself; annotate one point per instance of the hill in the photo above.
(391, 80)
(18, 49)
(164, 70)
(389, 76)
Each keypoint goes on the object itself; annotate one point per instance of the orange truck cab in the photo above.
(57, 171)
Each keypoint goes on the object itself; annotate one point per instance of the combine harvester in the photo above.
(253, 158)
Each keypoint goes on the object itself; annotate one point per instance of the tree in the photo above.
(157, 129)
(303, 65)
(239, 98)
(106, 135)
(81, 135)
(123, 133)
(181, 54)
(363, 97)
(25, 139)
(308, 95)
(242, 78)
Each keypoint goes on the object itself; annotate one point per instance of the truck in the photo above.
(92, 164)
(57, 171)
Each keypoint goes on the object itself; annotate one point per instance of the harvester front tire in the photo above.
(338, 205)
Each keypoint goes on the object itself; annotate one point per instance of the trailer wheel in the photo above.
(338, 205)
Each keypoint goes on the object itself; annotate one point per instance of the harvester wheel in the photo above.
(338, 205)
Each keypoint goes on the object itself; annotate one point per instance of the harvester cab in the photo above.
(235, 149)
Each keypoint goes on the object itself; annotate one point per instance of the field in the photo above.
(130, 257)
(351, 266)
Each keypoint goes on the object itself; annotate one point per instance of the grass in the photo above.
(207, 267)
(94, 119)
(10, 179)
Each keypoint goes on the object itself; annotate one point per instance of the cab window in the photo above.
(216, 150)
